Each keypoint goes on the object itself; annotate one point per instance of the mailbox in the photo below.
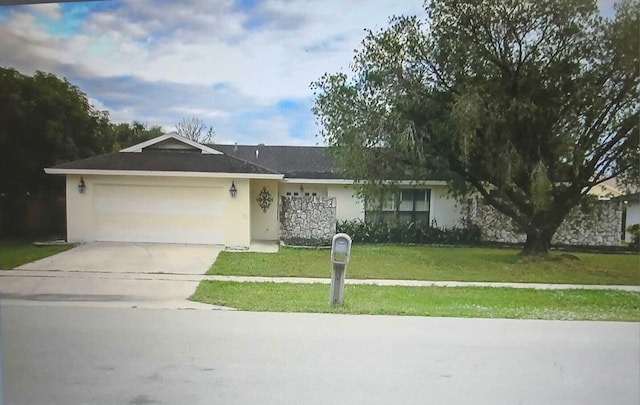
(340, 248)
(340, 251)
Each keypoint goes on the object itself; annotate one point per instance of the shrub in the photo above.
(408, 232)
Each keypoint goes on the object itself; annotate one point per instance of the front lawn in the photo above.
(436, 264)
(468, 302)
(14, 253)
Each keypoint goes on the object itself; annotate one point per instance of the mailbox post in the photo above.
(340, 251)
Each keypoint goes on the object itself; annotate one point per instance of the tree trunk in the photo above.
(544, 226)
(537, 244)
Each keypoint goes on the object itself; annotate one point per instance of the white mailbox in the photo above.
(340, 252)
(340, 248)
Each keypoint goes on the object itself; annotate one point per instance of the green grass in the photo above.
(14, 253)
(436, 263)
(468, 302)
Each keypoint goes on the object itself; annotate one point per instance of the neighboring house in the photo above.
(172, 190)
(610, 190)
(606, 190)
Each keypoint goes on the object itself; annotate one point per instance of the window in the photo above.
(408, 205)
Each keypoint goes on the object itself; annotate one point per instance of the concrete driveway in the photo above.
(108, 257)
(113, 274)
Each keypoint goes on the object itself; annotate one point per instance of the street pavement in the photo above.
(104, 355)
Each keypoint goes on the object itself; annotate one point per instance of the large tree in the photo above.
(530, 103)
(44, 121)
(125, 134)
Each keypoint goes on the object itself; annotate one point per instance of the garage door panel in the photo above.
(163, 200)
(159, 234)
(157, 221)
(141, 206)
(158, 214)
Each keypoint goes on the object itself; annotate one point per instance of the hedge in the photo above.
(407, 232)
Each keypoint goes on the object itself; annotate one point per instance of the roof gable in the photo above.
(171, 141)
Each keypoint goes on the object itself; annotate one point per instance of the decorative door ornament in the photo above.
(264, 199)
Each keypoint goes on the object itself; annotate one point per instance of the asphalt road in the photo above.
(104, 355)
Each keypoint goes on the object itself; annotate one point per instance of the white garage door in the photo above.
(134, 213)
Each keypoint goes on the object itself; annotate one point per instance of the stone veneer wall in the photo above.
(599, 227)
(307, 219)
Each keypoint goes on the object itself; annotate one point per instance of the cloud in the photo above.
(204, 42)
(48, 10)
(286, 123)
(234, 117)
(199, 112)
(230, 62)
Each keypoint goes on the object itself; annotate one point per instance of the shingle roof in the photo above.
(300, 162)
(166, 161)
(294, 162)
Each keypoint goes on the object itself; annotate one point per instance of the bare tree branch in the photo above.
(195, 130)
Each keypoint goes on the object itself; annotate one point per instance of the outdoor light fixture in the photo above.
(233, 190)
(301, 189)
(81, 186)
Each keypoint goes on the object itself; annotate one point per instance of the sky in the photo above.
(243, 67)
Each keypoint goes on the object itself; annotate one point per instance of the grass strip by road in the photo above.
(465, 302)
(437, 264)
(14, 253)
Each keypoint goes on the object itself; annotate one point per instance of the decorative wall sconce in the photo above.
(81, 186)
(264, 199)
(233, 190)
(301, 190)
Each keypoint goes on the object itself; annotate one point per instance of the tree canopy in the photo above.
(44, 121)
(125, 134)
(528, 102)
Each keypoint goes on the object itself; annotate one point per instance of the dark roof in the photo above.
(166, 161)
(294, 162)
(300, 162)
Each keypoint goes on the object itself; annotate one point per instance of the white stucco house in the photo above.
(172, 190)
